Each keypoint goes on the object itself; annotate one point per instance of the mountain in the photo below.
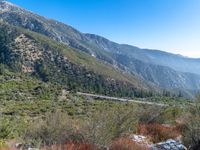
(157, 57)
(152, 65)
(30, 53)
(160, 68)
(53, 29)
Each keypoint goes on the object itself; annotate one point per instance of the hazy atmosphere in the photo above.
(99, 75)
(170, 25)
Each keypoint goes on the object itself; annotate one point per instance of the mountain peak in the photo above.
(4, 2)
(8, 6)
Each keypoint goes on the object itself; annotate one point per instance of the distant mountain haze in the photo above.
(177, 62)
(170, 25)
(156, 67)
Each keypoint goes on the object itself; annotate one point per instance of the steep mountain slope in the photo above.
(53, 29)
(176, 62)
(158, 67)
(157, 57)
(161, 68)
(31, 53)
(160, 75)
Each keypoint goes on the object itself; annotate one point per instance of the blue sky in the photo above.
(170, 25)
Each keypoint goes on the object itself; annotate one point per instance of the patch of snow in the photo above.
(93, 55)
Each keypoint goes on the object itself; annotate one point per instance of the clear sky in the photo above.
(170, 25)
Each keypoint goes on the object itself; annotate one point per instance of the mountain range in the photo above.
(56, 52)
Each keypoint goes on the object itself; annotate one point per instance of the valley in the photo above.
(61, 89)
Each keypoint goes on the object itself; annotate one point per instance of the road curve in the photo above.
(120, 99)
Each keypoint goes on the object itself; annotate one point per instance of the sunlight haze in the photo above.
(169, 25)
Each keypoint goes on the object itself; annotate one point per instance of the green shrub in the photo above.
(54, 128)
(191, 134)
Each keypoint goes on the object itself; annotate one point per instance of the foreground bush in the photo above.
(126, 144)
(158, 132)
(191, 134)
(71, 146)
(99, 128)
(55, 128)
(107, 124)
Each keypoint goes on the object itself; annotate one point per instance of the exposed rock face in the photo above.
(163, 69)
(169, 145)
(29, 51)
(38, 56)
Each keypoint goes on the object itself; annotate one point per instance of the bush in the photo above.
(11, 127)
(98, 128)
(71, 146)
(2, 144)
(158, 132)
(191, 134)
(55, 128)
(126, 144)
(107, 124)
(151, 114)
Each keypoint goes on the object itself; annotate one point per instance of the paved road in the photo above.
(120, 99)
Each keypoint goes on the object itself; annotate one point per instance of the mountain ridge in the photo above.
(149, 54)
(38, 56)
(175, 70)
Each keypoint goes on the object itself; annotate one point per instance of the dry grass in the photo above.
(158, 132)
(126, 144)
(68, 146)
(71, 146)
(7, 148)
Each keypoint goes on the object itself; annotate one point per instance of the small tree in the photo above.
(2, 69)
(107, 124)
(55, 128)
(191, 135)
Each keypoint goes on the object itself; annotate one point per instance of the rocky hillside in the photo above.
(160, 68)
(38, 56)
(162, 76)
(155, 57)
(53, 29)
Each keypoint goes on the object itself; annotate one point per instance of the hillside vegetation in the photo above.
(162, 69)
(49, 72)
(38, 56)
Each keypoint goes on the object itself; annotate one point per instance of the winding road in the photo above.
(120, 99)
